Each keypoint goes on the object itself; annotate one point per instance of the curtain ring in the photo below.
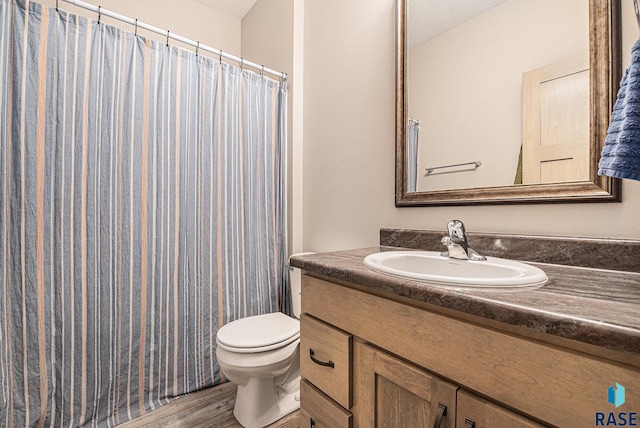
(197, 47)
(241, 63)
(56, 5)
(220, 56)
(99, 14)
(136, 29)
(262, 71)
(167, 38)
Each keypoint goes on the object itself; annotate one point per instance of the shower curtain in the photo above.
(412, 157)
(142, 206)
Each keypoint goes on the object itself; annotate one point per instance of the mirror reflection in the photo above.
(497, 93)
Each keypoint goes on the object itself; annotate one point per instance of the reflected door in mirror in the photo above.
(555, 122)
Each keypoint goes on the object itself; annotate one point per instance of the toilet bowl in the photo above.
(261, 355)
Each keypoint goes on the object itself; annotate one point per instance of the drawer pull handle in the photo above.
(442, 411)
(318, 362)
(469, 423)
(312, 423)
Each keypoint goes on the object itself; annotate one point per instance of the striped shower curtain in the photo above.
(411, 161)
(142, 206)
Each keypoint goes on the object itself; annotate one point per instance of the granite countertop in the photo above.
(594, 306)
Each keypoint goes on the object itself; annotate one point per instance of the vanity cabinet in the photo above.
(407, 362)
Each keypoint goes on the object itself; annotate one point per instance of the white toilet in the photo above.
(261, 355)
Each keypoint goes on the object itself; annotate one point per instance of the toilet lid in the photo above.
(259, 331)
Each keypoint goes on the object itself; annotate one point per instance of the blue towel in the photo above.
(621, 152)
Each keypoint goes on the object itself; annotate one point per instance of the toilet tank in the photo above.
(295, 281)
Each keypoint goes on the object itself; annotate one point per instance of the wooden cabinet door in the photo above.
(389, 392)
(475, 412)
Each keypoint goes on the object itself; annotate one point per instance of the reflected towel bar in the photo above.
(476, 163)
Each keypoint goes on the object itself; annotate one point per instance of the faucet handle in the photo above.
(456, 230)
(457, 245)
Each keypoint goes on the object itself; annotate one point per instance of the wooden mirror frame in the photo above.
(604, 77)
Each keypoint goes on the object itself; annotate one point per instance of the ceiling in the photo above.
(428, 18)
(236, 8)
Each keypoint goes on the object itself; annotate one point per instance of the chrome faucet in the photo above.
(456, 243)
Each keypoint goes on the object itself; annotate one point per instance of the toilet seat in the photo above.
(258, 333)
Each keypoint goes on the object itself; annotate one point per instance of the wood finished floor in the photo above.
(209, 408)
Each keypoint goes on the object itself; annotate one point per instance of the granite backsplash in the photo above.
(612, 254)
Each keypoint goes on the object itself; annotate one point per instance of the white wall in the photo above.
(349, 122)
(272, 35)
(349, 119)
(267, 34)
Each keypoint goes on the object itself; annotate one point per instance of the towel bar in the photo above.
(430, 169)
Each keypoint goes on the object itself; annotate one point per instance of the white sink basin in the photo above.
(430, 266)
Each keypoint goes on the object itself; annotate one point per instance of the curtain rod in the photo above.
(197, 45)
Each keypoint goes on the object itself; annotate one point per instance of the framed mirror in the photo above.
(469, 150)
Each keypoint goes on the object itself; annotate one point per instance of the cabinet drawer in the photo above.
(325, 358)
(476, 412)
(318, 411)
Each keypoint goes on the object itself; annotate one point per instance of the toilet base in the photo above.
(252, 413)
